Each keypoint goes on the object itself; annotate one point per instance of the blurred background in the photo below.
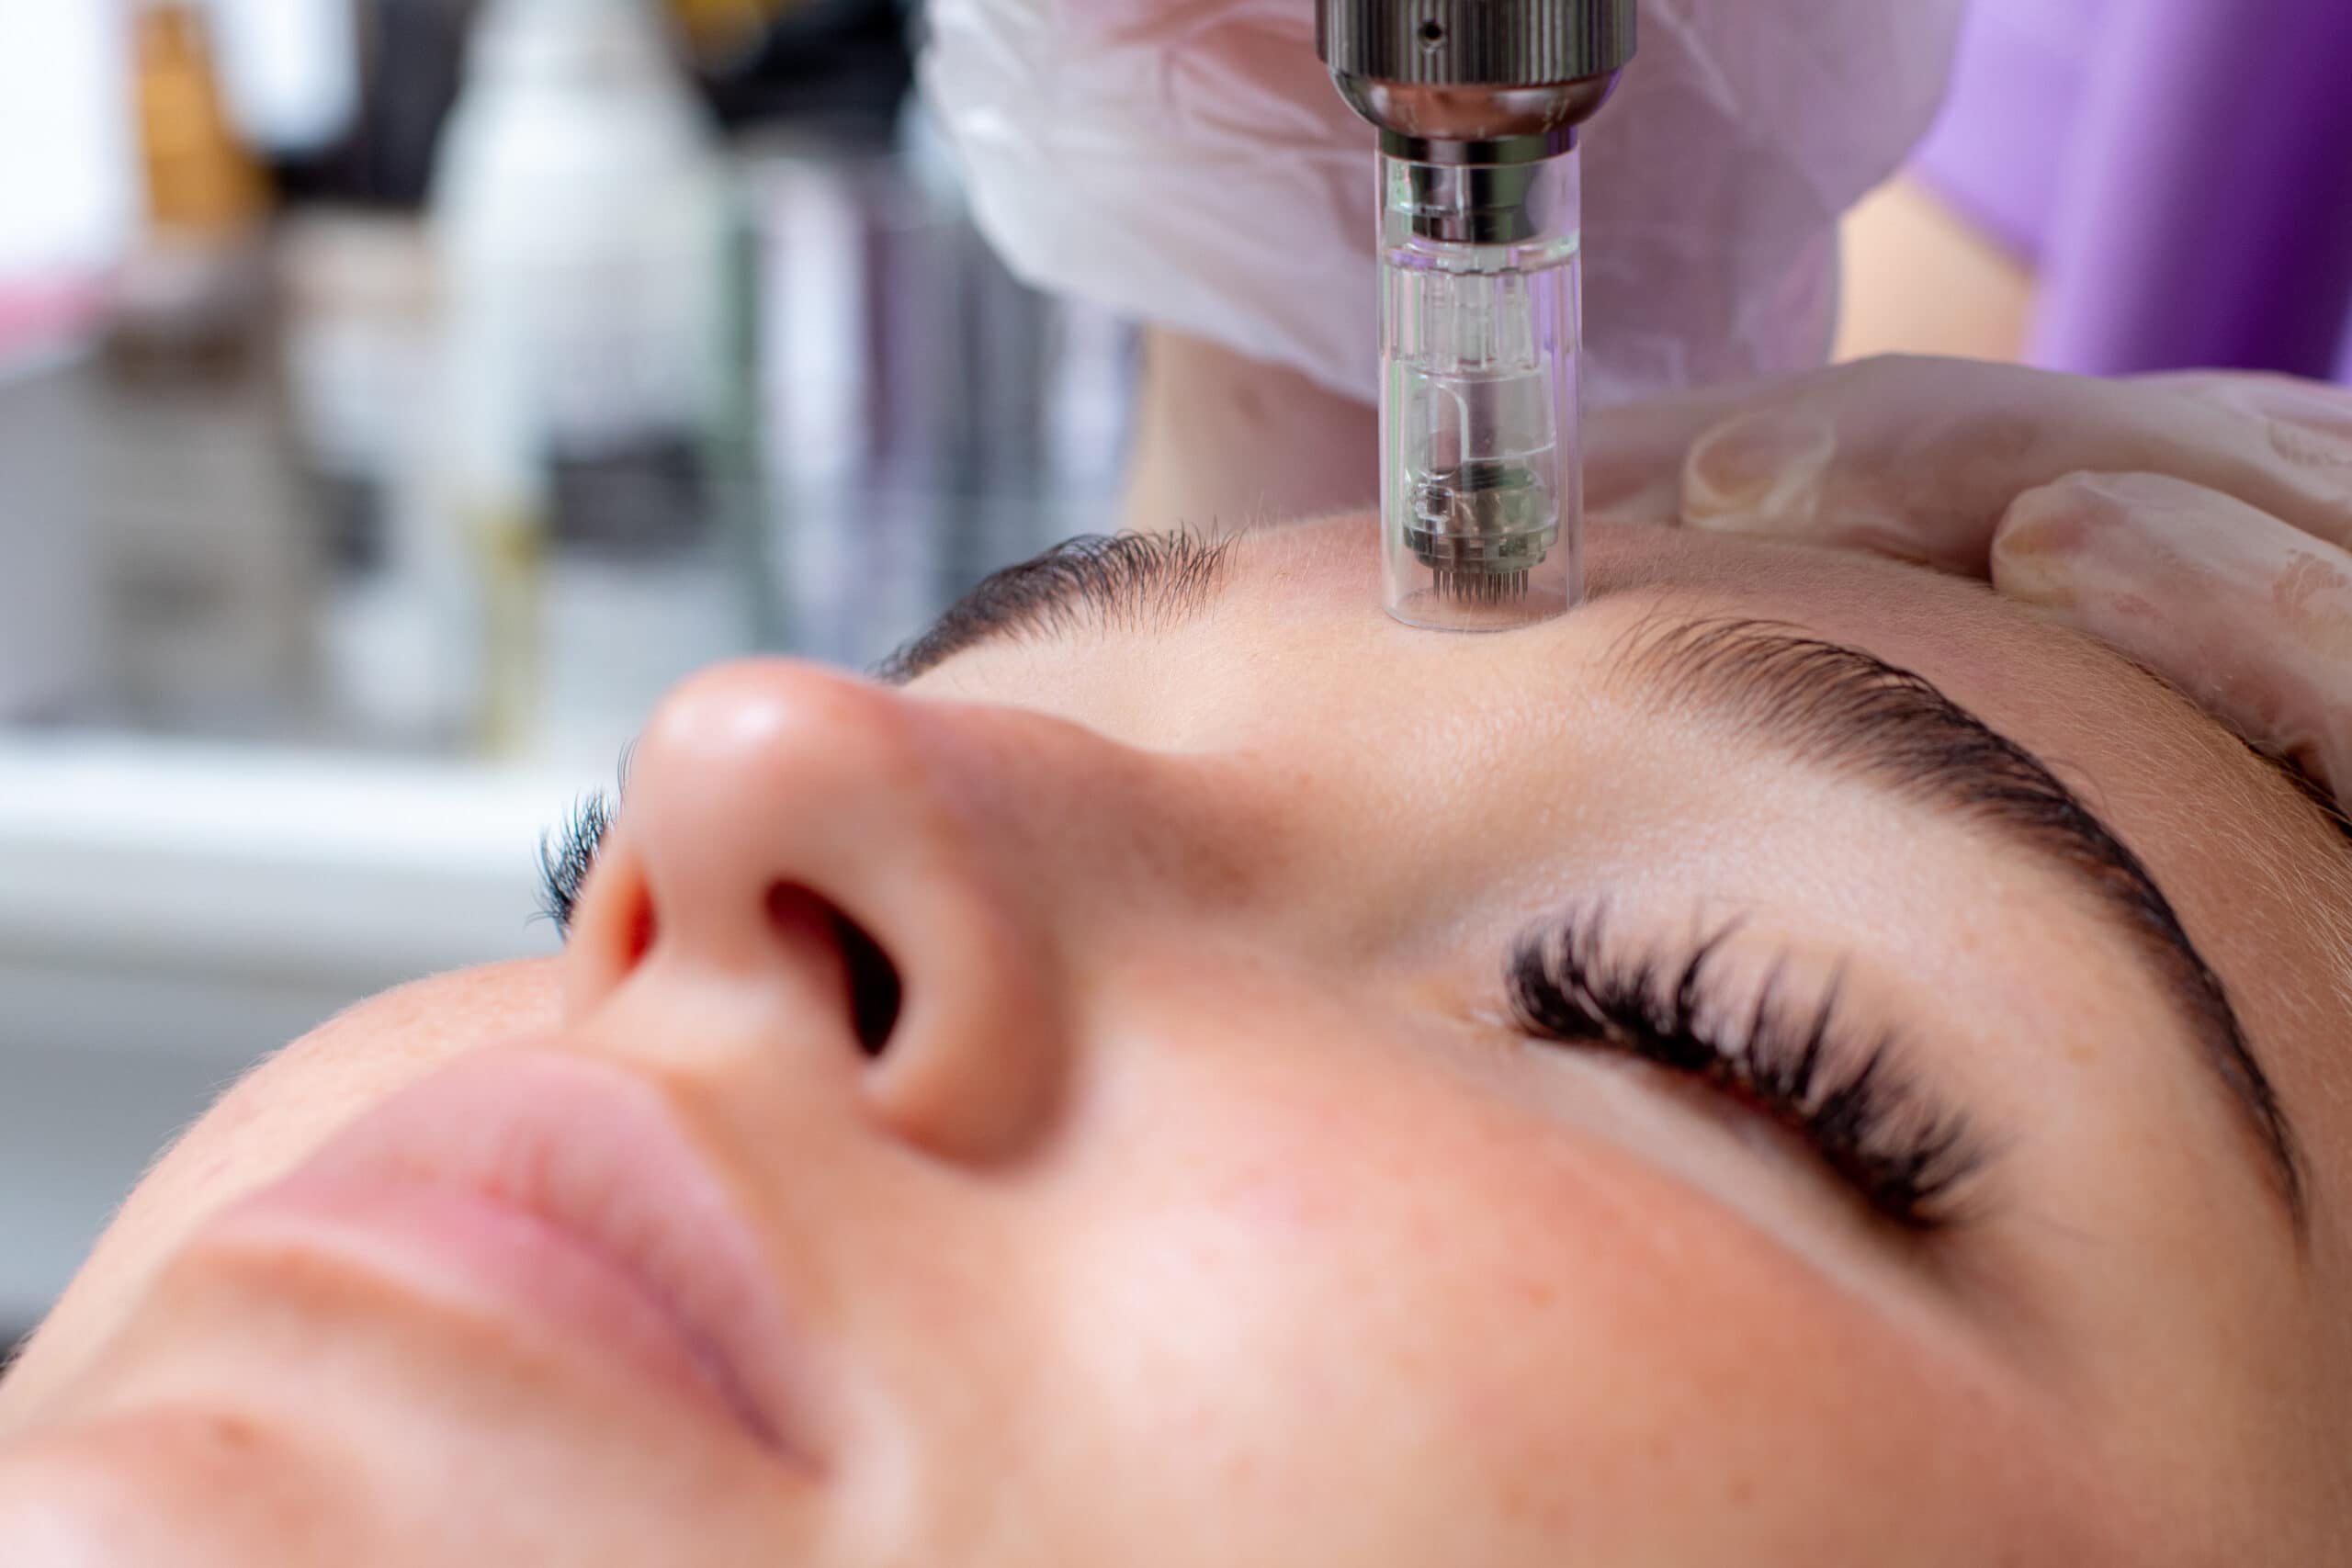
(396, 395)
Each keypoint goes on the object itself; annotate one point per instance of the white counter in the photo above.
(169, 912)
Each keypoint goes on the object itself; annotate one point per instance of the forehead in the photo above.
(2259, 880)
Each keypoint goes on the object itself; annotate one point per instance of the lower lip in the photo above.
(487, 1258)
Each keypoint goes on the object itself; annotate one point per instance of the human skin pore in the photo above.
(1201, 1195)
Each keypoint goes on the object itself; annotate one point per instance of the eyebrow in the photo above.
(1104, 581)
(1834, 707)
(1822, 704)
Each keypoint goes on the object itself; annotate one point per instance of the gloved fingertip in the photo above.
(1750, 472)
(2053, 534)
(2248, 617)
(2039, 539)
(1621, 497)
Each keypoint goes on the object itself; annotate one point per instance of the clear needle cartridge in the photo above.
(1477, 103)
(1482, 488)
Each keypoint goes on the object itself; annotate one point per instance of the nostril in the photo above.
(876, 993)
(639, 939)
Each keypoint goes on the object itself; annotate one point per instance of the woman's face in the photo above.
(1217, 1076)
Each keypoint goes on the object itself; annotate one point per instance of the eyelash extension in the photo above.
(566, 855)
(1882, 1134)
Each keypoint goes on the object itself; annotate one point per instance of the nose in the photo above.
(824, 867)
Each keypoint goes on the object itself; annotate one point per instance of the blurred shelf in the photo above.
(266, 865)
(172, 911)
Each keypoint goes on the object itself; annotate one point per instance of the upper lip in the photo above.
(604, 1156)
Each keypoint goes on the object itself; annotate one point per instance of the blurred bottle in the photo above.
(842, 67)
(358, 312)
(346, 99)
(191, 295)
(207, 570)
(585, 226)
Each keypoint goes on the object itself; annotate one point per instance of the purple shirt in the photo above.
(2179, 171)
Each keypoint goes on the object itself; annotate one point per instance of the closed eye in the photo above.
(1902, 1151)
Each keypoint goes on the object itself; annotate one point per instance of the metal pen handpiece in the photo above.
(1477, 104)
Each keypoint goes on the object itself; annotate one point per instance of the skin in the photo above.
(1204, 1208)
(1920, 278)
(1223, 443)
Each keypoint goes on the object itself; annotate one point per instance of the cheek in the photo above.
(1311, 1271)
(263, 1127)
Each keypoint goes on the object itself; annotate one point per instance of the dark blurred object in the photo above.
(841, 64)
(724, 33)
(411, 61)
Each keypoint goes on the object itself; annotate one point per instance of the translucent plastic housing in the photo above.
(1481, 476)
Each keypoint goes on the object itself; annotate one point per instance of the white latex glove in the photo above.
(1189, 163)
(2201, 522)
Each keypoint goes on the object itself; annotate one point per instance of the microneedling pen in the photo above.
(1477, 104)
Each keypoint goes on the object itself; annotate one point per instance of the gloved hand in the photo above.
(2201, 522)
(1188, 163)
